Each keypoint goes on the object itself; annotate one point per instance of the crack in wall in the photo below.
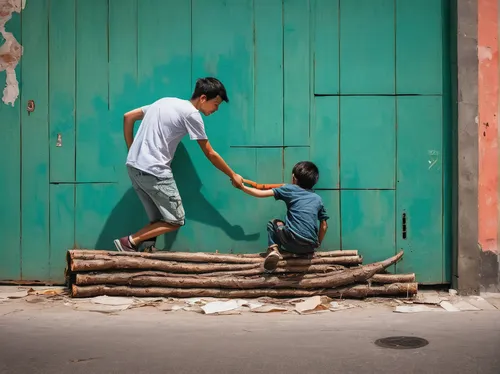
(10, 51)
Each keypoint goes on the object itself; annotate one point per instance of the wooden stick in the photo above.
(260, 186)
(358, 291)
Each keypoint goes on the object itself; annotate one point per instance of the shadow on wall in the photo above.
(129, 216)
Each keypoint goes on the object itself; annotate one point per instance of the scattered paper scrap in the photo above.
(430, 298)
(113, 301)
(415, 309)
(269, 308)
(312, 305)
(220, 306)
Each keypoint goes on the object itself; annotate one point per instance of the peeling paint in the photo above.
(10, 51)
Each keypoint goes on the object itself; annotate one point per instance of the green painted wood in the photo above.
(35, 153)
(292, 155)
(326, 47)
(367, 48)
(62, 90)
(123, 76)
(10, 149)
(419, 49)
(268, 72)
(331, 201)
(102, 214)
(164, 48)
(419, 189)
(94, 131)
(367, 142)
(229, 56)
(62, 228)
(297, 64)
(368, 223)
(324, 151)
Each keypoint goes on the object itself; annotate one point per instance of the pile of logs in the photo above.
(337, 274)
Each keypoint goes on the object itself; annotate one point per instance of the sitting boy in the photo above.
(299, 233)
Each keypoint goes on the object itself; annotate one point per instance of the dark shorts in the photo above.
(280, 235)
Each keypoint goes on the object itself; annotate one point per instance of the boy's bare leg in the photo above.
(131, 243)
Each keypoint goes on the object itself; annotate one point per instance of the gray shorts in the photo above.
(160, 197)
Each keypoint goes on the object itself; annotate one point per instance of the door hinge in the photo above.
(403, 226)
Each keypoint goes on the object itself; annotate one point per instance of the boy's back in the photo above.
(304, 209)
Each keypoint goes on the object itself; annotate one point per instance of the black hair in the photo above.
(211, 88)
(306, 174)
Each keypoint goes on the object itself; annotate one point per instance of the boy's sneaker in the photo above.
(272, 259)
(124, 245)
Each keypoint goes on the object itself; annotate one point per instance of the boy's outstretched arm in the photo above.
(323, 227)
(219, 162)
(257, 193)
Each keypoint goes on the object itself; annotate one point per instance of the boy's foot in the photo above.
(272, 259)
(124, 245)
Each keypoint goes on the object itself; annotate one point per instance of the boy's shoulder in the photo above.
(299, 191)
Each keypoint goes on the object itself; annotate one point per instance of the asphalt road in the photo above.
(60, 340)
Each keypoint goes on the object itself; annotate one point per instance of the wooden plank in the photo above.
(62, 90)
(228, 56)
(420, 187)
(123, 75)
(164, 48)
(326, 47)
(419, 47)
(35, 153)
(331, 201)
(367, 47)
(62, 228)
(94, 131)
(268, 26)
(368, 223)
(293, 155)
(324, 151)
(297, 56)
(367, 142)
(10, 149)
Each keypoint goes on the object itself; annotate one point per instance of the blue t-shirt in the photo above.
(304, 209)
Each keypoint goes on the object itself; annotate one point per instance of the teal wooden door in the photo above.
(357, 86)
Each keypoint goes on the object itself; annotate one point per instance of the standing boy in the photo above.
(164, 124)
(299, 234)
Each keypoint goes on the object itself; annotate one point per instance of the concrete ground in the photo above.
(53, 337)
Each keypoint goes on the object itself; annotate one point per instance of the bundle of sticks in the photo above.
(337, 274)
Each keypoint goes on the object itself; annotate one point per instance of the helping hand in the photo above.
(237, 181)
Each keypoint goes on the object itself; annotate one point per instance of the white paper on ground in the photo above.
(446, 305)
(220, 306)
(110, 300)
(269, 308)
(414, 309)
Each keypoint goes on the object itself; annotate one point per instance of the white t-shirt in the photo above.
(165, 123)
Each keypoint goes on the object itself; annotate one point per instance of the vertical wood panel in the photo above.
(419, 189)
(367, 47)
(268, 72)
(297, 70)
(367, 142)
(419, 47)
(324, 151)
(62, 228)
(326, 47)
(35, 151)
(95, 141)
(10, 149)
(62, 80)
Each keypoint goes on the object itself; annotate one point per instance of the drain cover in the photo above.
(401, 342)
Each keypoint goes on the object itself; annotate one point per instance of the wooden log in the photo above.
(357, 291)
(200, 256)
(336, 279)
(313, 270)
(126, 262)
(116, 263)
(392, 278)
